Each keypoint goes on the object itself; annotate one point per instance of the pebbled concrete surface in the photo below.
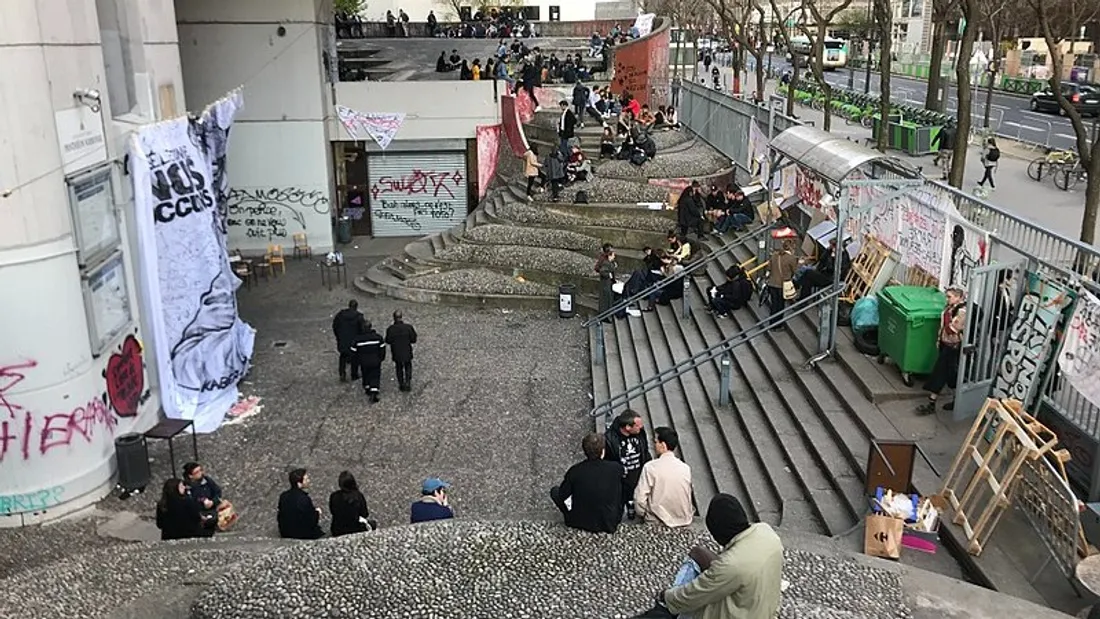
(479, 281)
(520, 257)
(534, 237)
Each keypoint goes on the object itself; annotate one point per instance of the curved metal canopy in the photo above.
(831, 157)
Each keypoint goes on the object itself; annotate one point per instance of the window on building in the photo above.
(531, 13)
(123, 57)
(99, 255)
(555, 13)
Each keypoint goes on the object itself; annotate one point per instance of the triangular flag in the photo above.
(380, 126)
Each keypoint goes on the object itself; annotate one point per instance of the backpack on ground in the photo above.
(581, 197)
(637, 157)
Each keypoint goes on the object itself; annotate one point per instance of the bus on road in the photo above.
(836, 52)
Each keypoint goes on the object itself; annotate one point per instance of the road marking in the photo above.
(1046, 117)
(1068, 137)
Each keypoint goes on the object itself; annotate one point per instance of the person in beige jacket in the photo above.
(781, 268)
(743, 581)
(663, 495)
(531, 168)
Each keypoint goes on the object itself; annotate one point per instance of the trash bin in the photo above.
(909, 323)
(566, 295)
(343, 230)
(133, 462)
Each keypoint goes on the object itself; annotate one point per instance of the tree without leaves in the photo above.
(995, 15)
(793, 85)
(736, 18)
(1059, 21)
(969, 9)
(687, 15)
(817, 49)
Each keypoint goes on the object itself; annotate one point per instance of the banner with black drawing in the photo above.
(1079, 360)
(202, 346)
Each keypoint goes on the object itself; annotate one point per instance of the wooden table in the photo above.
(168, 430)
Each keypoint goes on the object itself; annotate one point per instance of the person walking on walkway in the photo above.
(663, 495)
(347, 324)
(590, 495)
(945, 142)
(990, 156)
(946, 370)
(370, 351)
(531, 167)
(400, 337)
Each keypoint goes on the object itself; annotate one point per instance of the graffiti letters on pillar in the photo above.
(125, 378)
(270, 213)
(419, 196)
(24, 433)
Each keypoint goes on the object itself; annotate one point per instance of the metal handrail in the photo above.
(692, 267)
(715, 351)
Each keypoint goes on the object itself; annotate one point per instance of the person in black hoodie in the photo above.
(441, 63)
(590, 496)
(731, 295)
(530, 77)
(627, 443)
(689, 210)
(347, 324)
(178, 516)
(370, 351)
(205, 493)
(567, 127)
(400, 337)
(348, 507)
(298, 518)
(580, 102)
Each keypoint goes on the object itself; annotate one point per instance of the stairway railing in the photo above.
(722, 349)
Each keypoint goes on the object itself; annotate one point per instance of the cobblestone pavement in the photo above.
(497, 408)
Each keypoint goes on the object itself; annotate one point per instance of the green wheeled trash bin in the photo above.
(908, 326)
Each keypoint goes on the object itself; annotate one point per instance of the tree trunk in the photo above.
(935, 66)
(818, 64)
(963, 94)
(1092, 199)
(885, 21)
(791, 88)
(761, 49)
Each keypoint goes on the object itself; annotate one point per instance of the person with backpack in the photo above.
(990, 156)
(945, 143)
(946, 370)
(555, 171)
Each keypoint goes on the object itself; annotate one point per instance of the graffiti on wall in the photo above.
(1029, 344)
(415, 198)
(271, 214)
(31, 501)
(125, 378)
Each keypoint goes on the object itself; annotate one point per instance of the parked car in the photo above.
(1084, 97)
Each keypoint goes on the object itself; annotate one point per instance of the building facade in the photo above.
(77, 78)
(533, 10)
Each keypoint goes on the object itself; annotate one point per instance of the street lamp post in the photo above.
(867, 76)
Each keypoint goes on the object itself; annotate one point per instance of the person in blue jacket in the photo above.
(433, 502)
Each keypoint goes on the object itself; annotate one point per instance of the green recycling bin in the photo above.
(908, 325)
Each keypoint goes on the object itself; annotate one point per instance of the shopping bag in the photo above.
(227, 516)
(882, 536)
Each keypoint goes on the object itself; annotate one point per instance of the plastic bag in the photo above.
(865, 314)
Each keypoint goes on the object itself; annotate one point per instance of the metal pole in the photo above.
(687, 297)
(724, 384)
(867, 75)
(601, 356)
(833, 306)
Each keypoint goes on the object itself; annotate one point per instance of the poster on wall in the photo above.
(1079, 360)
(922, 231)
(488, 151)
(758, 152)
(202, 346)
(415, 194)
(644, 23)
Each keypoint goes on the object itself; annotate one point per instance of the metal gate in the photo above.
(417, 193)
(993, 296)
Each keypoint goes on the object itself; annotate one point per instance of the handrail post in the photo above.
(601, 355)
(724, 384)
(687, 302)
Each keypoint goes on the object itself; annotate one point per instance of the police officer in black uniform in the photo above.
(401, 336)
(347, 325)
(370, 351)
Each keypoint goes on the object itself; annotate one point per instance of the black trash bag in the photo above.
(866, 342)
(844, 314)
(581, 197)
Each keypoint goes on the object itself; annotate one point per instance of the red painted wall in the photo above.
(641, 67)
(513, 130)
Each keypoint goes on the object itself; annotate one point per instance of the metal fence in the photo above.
(723, 121)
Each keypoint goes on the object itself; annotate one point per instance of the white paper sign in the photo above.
(758, 153)
(644, 23)
(1080, 357)
(189, 294)
(80, 138)
(381, 127)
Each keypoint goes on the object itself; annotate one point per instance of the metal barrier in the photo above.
(721, 349)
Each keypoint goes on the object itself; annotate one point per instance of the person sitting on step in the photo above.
(178, 516)
(590, 495)
(663, 495)
(738, 212)
(205, 492)
(650, 273)
(744, 580)
(731, 295)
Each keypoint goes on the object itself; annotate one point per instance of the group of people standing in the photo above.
(363, 349)
(619, 477)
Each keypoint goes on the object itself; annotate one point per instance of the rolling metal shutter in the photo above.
(414, 194)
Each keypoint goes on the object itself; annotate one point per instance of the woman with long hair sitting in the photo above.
(178, 516)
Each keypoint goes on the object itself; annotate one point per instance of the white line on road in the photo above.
(1068, 137)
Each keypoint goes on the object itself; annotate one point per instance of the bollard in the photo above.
(724, 394)
(600, 355)
(687, 301)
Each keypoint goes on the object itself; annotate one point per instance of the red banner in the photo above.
(513, 130)
(488, 152)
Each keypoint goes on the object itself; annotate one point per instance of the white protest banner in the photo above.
(921, 235)
(181, 196)
(644, 23)
(758, 152)
(1080, 357)
(381, 127)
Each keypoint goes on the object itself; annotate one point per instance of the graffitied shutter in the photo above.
(414, 194)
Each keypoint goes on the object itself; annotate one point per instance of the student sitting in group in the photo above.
(592, 106)
(812, 279)
(441, 65)
(733, 294)
(178, 516)
(715, 204)
(663, 495)
(205, 492)
(679, 252)
(738, 213)
(348, 507)
(650, 273)
(626, 122)
(590, 495)
(672, 119)
(579, 168)
(454, 60)
(646, 119)
(607, 144)
(660, 120)
(433, 503)
(297, 516)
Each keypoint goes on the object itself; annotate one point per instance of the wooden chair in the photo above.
(301, 246)
(241, 268)
(263, 267)
(275, 258)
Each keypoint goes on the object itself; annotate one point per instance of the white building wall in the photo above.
(469, 104)
(63, 402)
(279, 158)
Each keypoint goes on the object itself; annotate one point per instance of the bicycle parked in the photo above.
(1062, 165)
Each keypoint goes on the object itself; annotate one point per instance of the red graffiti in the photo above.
(418, 183)
(126, 378)
(57, 429)
(10, 376)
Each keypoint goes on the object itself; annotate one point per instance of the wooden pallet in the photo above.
(865, 269)
(916, 276)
